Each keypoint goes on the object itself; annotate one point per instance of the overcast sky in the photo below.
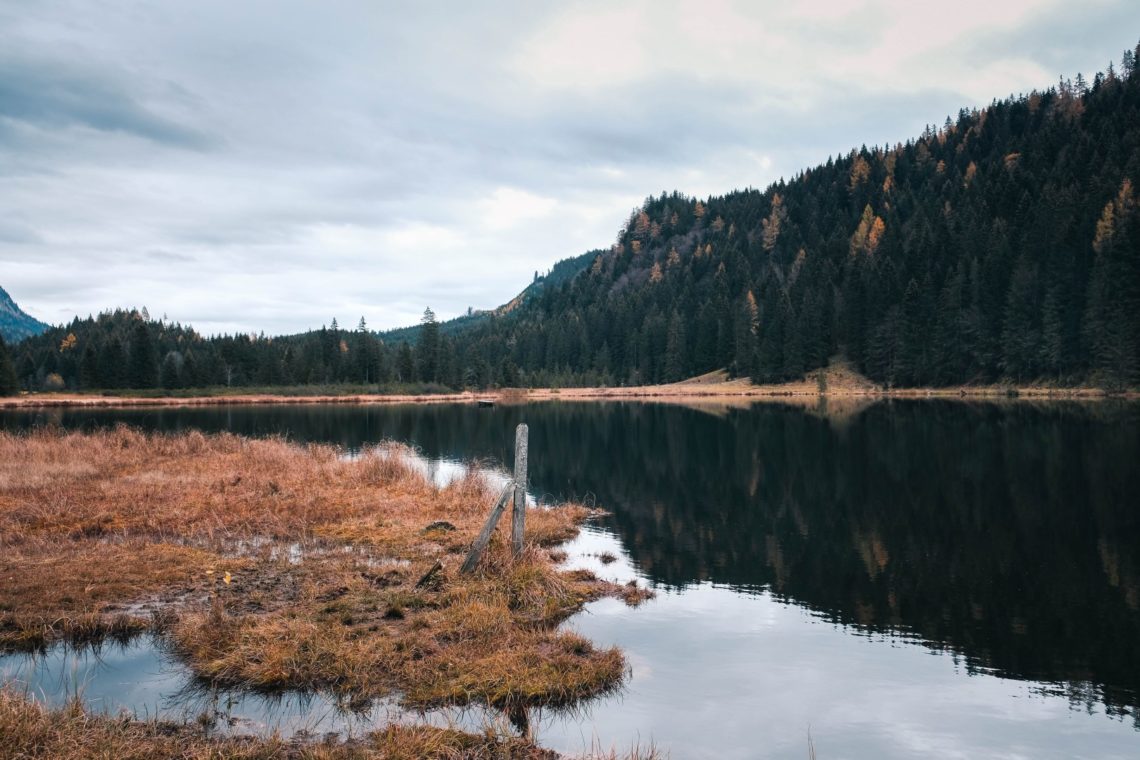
(267, 166)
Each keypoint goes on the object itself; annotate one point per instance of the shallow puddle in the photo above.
(139, 678)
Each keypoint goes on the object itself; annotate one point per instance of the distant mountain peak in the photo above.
(15, 325)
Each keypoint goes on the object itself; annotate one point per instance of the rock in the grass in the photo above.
(384, 580)
(443, 525)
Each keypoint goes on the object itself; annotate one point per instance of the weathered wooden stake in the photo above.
(426, 578)
(484, 536)
(518, 522)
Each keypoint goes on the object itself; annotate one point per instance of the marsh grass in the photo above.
(30, 730)
(274, 566)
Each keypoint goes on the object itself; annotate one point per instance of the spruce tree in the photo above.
(9, 383)
(171, 374)
(675, 364)
(113, 365)
(143, 358)
(89, 367)
(405, 366)
(427, 349)
(1021, 335)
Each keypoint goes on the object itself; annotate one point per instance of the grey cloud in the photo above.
(13, 231)
(55, 94)
(1069, 39)
(170, 257)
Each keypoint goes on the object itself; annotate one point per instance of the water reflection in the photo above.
(140, 678)
(1007, 535)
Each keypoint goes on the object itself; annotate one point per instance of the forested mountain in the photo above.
(1004, 245)
(15, 325)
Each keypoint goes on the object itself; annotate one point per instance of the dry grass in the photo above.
(31, 731)
(277, 566)
(85, 591)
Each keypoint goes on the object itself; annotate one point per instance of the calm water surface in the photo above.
(922, 577)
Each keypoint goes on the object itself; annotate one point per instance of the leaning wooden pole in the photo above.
(518, 518)
(484, 536)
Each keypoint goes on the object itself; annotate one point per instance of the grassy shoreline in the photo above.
(28, 729)
(272, 566)
(838, 383)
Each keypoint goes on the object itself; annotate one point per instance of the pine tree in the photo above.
(143, 358)
(1021, 335)
(89, 367)
(171, 373)
(113, 365)
(793, 341)
(1112, 322)
(9, 383)
(427, 349)
(675, 350)
(913, 359)
(405, 364)
(1053, 333)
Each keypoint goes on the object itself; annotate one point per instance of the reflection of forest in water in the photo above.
(1007, 532)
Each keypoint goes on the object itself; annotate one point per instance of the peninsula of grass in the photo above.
(270, 566)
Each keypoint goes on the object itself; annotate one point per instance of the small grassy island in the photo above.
(272, 566)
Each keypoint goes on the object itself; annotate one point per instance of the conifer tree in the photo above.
(170, 375)
(675, 350)
(9, 383)
(428, 348)
(89, 366)
(143, 358)
(405, 366)
(1021, 335)
(113, 365)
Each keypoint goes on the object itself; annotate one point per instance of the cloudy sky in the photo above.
(267, 166)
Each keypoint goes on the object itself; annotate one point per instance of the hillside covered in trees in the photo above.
(1002, 246)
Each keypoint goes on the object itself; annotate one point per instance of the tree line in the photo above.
(126, 349)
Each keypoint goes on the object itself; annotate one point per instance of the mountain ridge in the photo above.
(16, 324)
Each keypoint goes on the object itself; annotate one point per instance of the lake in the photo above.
(894, 579)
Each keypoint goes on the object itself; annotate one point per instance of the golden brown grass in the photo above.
(278, 566)
(29, 730)
(87, 590)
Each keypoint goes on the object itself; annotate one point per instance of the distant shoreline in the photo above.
(689, 392)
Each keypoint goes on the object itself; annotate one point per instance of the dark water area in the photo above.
(913, 577)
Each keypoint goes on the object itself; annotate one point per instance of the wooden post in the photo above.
(484, 536)
(518, 521)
